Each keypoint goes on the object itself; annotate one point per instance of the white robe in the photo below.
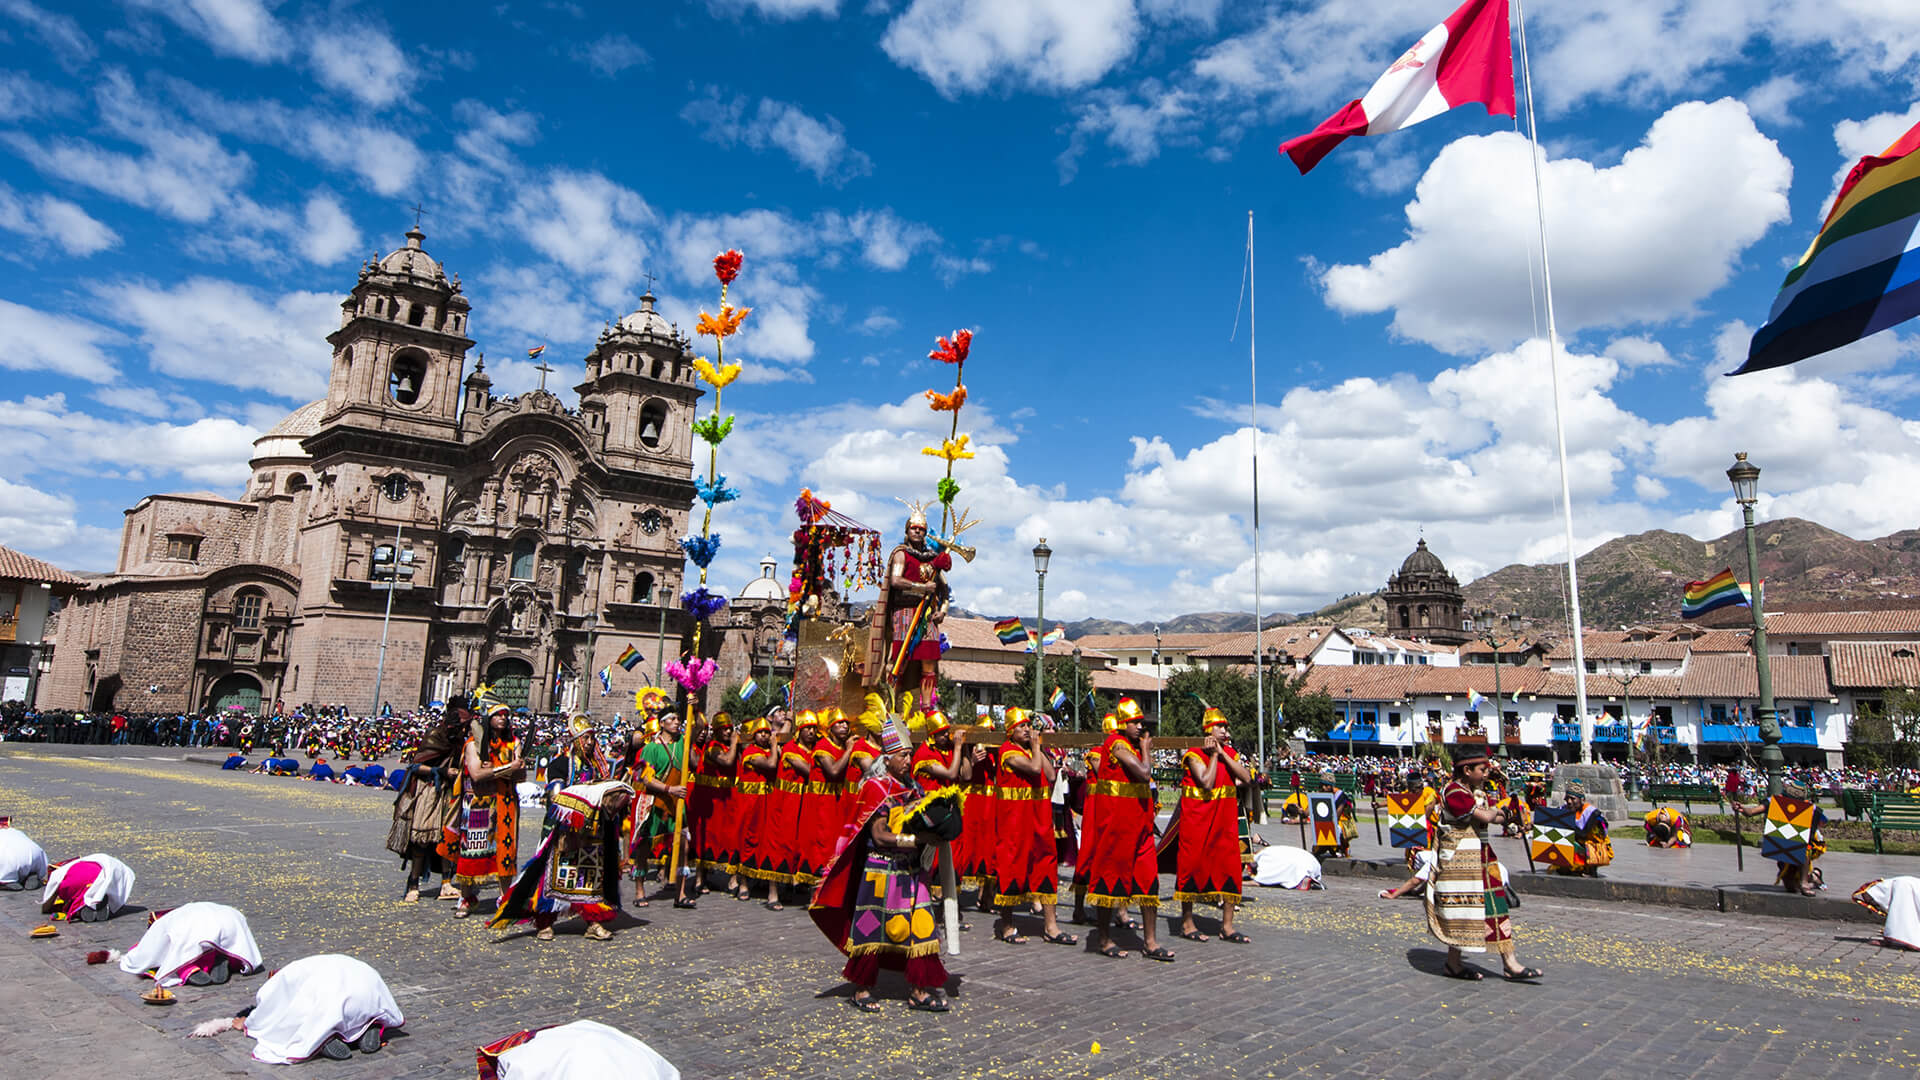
(177, 938)
(1899, 897)
(312, 998)
(1285, 867)
(20, 857)
(114, 883)
(585, 1050)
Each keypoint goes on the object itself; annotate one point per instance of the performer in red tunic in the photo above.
(712, 782)
(721, 756)
(907, 615)
(780, 837)
(1208, 869)
(1120, 864)
(1025, 864)
(1089, 820)
(817, 829)
(751, 782)
(979, 833)
(942, 761)
(861, 752)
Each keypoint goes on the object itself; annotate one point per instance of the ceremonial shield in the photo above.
(1789, 827)
(1326, 821)
(1555, 839)
(822, 666)
(1408, 824)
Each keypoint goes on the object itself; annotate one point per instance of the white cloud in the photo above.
(159, 404)
(609, 54)
(780, 9)
(224, 332)
(877, 322)
(361, 61)
(966, 46)
(489, 133)
(60, 33)
(590, 225)
(22, 98)
(951, 268)
(330, 233)
(34, 340)
(1772, 101)
(818, 145)
(886, 241)
(385, 160)
(242, 28)
(1642, 241)
(57, 221)
(1133, 129)
(50, 437)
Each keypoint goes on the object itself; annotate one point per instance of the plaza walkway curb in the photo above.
(1730, 900)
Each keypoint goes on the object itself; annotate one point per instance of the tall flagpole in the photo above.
(1253, 398)
(1535, 152)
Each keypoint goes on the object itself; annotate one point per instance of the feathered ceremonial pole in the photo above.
(701, 604)
(950, 351)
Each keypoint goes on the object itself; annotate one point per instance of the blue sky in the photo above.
(187, 188)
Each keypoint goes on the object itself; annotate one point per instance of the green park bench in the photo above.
(1686, 795)
(1893, 811)
(1856, 802)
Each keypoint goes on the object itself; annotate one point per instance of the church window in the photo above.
(408, 374)
(1406, 617)
(455, 548)
(1423, 615)
(653, 424)
(246, 609)
(297, 482)
(186, 548)
(523, 559)
(643, 589)
(577, 569)
(416, 314)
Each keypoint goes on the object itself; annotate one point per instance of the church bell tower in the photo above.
(401, 348)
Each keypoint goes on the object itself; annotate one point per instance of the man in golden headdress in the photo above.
(903, 644)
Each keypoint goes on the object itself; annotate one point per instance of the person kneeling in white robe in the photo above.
(1286, 868)
(88, 889)
(23, 865)
(1898, 900)
(198, 944)
(582, 1050)
(318, 1006)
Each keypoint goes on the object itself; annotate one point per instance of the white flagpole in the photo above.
(1536, 153)
(1253, 398)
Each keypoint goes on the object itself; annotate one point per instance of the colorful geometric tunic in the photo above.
(876, 903)
(1467, 897)
(485, 830)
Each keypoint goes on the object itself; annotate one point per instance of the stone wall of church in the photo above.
(338, 656)
(226, 533)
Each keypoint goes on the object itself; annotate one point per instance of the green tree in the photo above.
(1310, 710)
(955, 702)
(1059, 672)
(1229, 691)
(769, 692)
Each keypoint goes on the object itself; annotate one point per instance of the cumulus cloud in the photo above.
(41, 217)
(590, 225)
(34, 340)
(61, 34)
(817, 144)
(330, 233)
(490, 134)
(51, 437)
(361, 61)
(224, 332)
(965, 46)
(385, 160)
(1638, 242)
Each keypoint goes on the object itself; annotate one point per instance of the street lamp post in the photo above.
(1745, 476)
(1158, 677)
(1041, 553)
(1349, 694)
(395, 488)
(1488, 626)
(1076, 688)
(592, 623)
(1626, 674)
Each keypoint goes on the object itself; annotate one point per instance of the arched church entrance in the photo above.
(235, 693)
(510, 678)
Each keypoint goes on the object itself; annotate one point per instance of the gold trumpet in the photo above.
(952, 543)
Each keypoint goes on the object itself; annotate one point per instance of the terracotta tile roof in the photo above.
(1819, 623)
(1865, 665)
(1186, 643)
(1798, 678)
(982, 673)
(1723, 641)
(978, 634)
(1611, 647)
(21, 567)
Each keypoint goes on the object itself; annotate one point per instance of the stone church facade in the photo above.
(532, 542)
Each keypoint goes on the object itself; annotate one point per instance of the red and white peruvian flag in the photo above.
(1467, 58)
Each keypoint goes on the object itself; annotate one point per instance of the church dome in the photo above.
(1422, 561)
(412, 260)
(285, 438)
(766, 586)
(647, 320)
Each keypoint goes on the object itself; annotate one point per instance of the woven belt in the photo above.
(713, 781)
(1020, 794)
(751, 787)
(789, 786)
(822, 787)
(1188, 791)
(1125, 791)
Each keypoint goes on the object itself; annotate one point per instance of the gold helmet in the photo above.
(1212, 718)
(1128, 711)
(1109, 723)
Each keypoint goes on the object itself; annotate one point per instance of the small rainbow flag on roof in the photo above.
(1010, 631)
(628, 657)
(1861, 274)
(534, 353)
(1720, 590)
